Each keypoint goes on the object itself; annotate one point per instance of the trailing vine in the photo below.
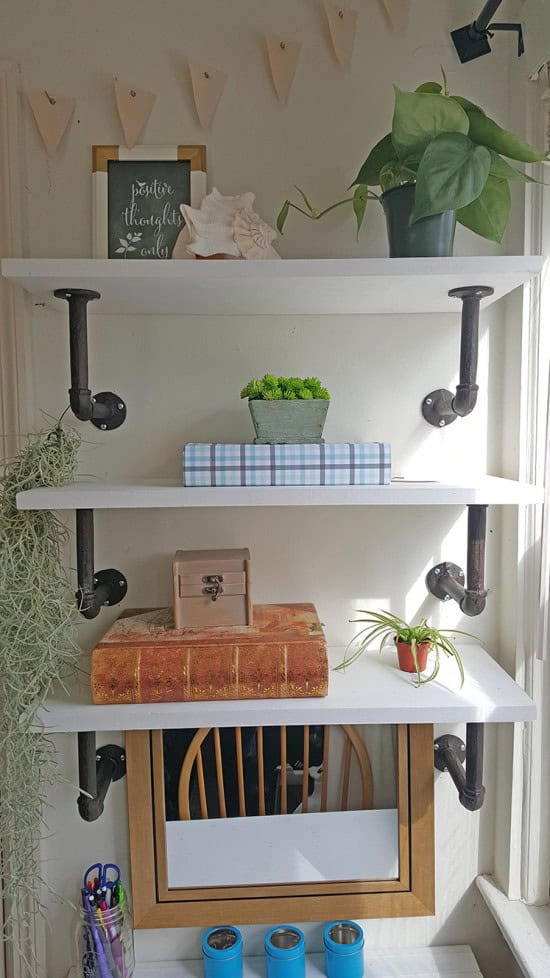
(37, 647)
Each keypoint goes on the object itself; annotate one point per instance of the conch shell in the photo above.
(225, 226)
(211, 225)
(253, 236)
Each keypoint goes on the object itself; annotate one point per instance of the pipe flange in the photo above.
(437, 408)
(445, 744)
(117, 411)
(437, 574)
(117, 756)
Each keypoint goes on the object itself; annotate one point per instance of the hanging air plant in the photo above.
(37, 647)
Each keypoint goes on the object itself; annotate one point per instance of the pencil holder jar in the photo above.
(222, 952)
(285, 953)
(104, 943)
(344, 941)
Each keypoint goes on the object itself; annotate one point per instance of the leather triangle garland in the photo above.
(283, 60)
(396, 12)
(342, 22)
(208, 87)
(134, 108)
(52, 114)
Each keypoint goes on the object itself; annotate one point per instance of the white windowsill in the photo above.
(526, 929)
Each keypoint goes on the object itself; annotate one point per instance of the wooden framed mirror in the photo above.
(256, 825)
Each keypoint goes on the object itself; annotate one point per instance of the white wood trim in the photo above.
(324, 286)
(100, 183)
(158, 495)
(526, 929)
(11, 302)
(371, 691)
(409, 962)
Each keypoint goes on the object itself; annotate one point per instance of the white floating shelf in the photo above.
(373, 690)
(287, 287)
(409, 962)
(158, 495)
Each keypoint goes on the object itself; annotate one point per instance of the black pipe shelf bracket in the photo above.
(449, 755)
(97, 769)
(441, 407)
(105, 410)
(446, 580)
(472, 40)
(95, 589)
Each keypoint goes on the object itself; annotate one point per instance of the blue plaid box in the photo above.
(345, 464)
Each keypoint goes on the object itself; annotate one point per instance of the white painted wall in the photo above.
(181, 377)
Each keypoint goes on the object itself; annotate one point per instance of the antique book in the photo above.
(330, 464)
(144, 659)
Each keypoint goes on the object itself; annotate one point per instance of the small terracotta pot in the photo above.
(405, 656)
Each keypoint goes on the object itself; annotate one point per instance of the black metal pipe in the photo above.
(475, 597)
(473, 792)
(465, 399)
(449, 755)
(97, 769)
(482, 22)
(80, 395)
(89, 601)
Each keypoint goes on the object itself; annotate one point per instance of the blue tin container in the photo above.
(285, 948)
(222, 950)
(344, 941)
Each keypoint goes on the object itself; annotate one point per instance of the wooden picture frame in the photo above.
(155, 905)
(137, 192)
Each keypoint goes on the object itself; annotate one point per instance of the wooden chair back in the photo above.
(354, 748)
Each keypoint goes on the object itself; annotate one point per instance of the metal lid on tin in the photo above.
(344, 933)
(285, 938)
(222, 939)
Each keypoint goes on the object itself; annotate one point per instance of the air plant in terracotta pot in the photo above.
(413, 643)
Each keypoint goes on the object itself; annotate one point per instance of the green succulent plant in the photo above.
(387, 627)
(271, 388)
(455, 154)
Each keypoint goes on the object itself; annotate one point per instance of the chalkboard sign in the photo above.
(137, 197)
(143, 206)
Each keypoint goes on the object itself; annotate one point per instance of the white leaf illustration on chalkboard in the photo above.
(128, 242)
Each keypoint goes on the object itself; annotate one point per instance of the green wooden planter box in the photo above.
(288, 422)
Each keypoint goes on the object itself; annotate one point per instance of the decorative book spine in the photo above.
(174, 674)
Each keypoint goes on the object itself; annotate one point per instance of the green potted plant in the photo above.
(287, 410)
(444, 161)
(413, 643)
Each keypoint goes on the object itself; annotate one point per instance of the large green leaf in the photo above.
(432, 88)
(452, 172)
(396, 174)
(418, 117)
(504, 171)
(486, 132)
(379, 155)
(488, 215)
(359, 204)
(466, 104)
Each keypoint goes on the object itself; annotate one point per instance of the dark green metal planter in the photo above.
(288, 422)
(430, 237)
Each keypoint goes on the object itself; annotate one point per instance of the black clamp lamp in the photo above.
(472, 41)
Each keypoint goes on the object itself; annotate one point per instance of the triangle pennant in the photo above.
(134, 108)
(283, 59)
(396, 12)
(342, 22)
(208, 87)
(52, 116)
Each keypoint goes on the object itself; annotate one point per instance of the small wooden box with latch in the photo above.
(212, 588)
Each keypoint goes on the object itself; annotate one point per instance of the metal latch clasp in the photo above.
(213, 585)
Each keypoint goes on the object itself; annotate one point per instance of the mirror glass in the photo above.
(280, 804)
